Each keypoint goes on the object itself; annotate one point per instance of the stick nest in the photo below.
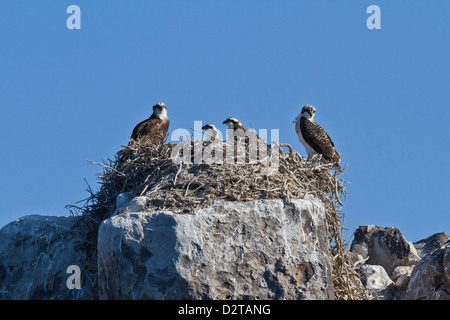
(181, 188)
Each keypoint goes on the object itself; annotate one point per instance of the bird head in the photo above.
(160, 110)
(308, 112)
(211, 131)
(209, 126)
(232, 123)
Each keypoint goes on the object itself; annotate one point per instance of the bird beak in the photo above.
(224, 122)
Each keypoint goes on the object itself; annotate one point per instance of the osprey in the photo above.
(152, 130)
(211, 131)
(233, 123)
(314, 137)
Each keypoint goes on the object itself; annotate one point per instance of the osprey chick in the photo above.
(211, 131)
(314, 137)
(249, 134)
(233, 123)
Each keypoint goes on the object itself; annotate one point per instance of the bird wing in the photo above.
(139, 130)
(318, 139)
(151, 130)
(164, 127)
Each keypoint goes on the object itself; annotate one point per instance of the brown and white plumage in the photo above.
(152, 130)
(314, 137)
(211, 132)
(233, 123)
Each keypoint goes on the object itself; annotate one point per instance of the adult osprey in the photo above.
(152, 130)
(314, 137)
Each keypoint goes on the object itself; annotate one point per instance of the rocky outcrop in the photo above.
(415, 271)
(35, 252)
(262, 249)
(361, 239)
(430, 278)
(385, 247)
(427, 246)
(377, 281)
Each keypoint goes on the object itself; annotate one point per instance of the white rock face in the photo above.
(35, 252)
(376, 279)
(375, 276)
(420, 270)
(427, 246)
(126, 204)
(400, 271)
(386, 247)
(430, 278)
(262, 249)
(402, 282)
(232, 250)
(122, 202)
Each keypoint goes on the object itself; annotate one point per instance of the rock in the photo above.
(426, 246)
(362, 236)
(262, 249)
(402, 282)
(384, 246)
(400, 271)
(122, 202)
(35, 252)
(377, 281)
(354, 259)
(430, 278)
(401, 276)
(126, 204)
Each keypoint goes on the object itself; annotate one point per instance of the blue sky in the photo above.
(382, 95)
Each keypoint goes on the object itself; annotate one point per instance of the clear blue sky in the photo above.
(383, 95)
